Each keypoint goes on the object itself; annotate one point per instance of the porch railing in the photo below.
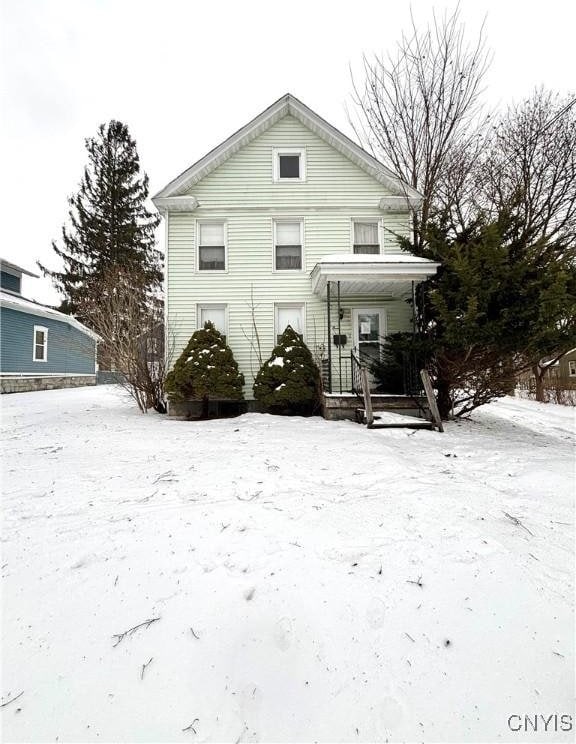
(410, 383)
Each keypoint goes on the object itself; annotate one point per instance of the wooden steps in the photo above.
(393, 420)
(390, 420)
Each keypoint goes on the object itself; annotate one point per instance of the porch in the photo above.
(366, 298)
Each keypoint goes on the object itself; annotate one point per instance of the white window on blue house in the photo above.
(40, 348)
(289, 164)
(216, 314)
(366, 236)
(288, 245)
(289, 314)
(211, 246)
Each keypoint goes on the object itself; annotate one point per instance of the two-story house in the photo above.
(289, 221)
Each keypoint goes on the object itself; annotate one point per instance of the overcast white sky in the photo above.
(185, 74)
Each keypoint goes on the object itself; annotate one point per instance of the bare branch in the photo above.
(121, 636)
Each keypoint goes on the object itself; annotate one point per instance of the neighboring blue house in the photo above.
(40, 348)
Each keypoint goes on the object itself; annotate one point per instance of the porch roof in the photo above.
(390, 273)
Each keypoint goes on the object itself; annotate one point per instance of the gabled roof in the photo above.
(11, 268)
(31, 307)
(288, 105)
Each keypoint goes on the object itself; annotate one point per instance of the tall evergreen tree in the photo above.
(110, 225)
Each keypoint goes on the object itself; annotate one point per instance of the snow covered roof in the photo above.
(371, 258)
(16, 302)
(388, 273)
(287, 105)
(14, 268)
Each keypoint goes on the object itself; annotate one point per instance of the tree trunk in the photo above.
(539, 373)
(444, 399)
(205, 407)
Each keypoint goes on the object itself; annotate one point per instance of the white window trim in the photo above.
(571, 366)
(44, 330)
(302, 268)
(198, 270)
(276, 152)
(380, 233)
(212, 306)
(283, 306)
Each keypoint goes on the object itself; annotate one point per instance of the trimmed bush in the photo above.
(289, 382)
(206, 370)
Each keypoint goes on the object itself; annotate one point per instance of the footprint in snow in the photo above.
(283, 634)
(376, 613)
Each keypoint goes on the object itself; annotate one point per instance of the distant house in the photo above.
(289, 222)
(40, 348)
(567, 366)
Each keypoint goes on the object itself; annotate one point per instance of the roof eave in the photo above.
(48, 313)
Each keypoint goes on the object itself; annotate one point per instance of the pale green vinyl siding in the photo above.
(242, 193)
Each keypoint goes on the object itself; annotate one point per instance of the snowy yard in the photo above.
(315, 581)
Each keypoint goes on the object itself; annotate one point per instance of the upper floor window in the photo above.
(366, 238)
(211, 246)
(288, 245)
(572, 368)
(289, 164)
(40, 348)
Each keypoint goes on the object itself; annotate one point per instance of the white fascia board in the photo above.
(166, 204)
(351, 150)
(11, 268)
(400, 203)
(288, 104)
(370, 273)
(224, 150)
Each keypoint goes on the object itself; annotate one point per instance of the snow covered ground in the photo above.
(313, 580)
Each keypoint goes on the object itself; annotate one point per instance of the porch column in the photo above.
(339, 341)
(413, 308)
(329, 343)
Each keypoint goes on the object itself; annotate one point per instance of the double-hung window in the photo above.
(216, 314)
(289, 314)
(366, 236)
(288, 245)
(40, 346)
(571, 368)
(211, 246)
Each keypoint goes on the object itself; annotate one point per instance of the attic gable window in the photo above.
(211, 246)
(289, 164)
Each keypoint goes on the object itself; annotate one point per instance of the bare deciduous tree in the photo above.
(532, 160)
(132, 334)
(420, 106)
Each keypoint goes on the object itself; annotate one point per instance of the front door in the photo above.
(369, 328)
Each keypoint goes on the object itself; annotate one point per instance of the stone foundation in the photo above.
(29, 384)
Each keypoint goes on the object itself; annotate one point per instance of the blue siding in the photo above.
(69, 350)
(9, 281)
